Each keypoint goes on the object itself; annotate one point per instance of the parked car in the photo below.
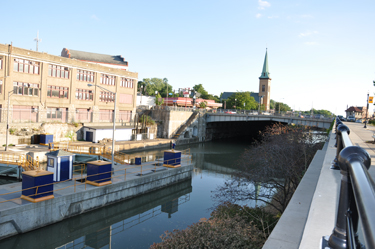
(360, 120)
(341, 118)
(351, 119)
(230, 112)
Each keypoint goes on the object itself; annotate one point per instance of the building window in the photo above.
(84, 94)
(25, 89)
(125, 82)
(125, 115)
(56, 113)
(26, 66)
(57, 92)
(83, 75)
(1, 63)
(263, 88)
(1, 86)
(108, 79)
(107, 97)
(51, 163)
(58, 71)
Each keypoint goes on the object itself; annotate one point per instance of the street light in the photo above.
(114, 123)
(7, 135)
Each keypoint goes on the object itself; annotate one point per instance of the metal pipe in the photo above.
(113, 134)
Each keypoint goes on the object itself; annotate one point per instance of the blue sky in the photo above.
(321, 53)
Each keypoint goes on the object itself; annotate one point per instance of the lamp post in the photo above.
(235, 103)
(114, 122)
(7, 135)
(368, 94)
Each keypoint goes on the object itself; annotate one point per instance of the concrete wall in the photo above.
(30, 216)
(169, 121)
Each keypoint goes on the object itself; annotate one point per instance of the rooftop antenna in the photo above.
(37, 40)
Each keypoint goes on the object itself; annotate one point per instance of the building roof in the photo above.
(87, 56)
(108, 127)
(226, 95)
(265, 72)
(354, 109)
(58, 153)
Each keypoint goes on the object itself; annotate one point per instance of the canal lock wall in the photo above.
(29, 216)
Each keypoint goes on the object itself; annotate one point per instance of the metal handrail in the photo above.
(357, 195)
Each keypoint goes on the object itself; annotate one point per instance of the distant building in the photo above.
(49, 88)
(114, 61)
(189, 102)
(357, 111)
(264, 94)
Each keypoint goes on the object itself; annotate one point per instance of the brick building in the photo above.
(49, 88)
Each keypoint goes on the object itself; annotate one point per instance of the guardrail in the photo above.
(357, 195)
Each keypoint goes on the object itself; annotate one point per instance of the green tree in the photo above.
(272, 104)
(242, 100)
(199, 88)
(159, 100)
(283, 107)
(203, 104)
(150, 86)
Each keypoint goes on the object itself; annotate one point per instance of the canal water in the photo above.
(139, 222)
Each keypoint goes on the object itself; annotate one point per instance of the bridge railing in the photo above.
(357, 195)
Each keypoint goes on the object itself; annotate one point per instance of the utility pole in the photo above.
(7, 134)
(37, 40)
(368, 94)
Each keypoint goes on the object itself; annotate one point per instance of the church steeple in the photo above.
(265, 73)
(265, 86)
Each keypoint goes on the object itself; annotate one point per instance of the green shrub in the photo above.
(148, 120)
(12, 131)
(371, 122)
(230, 226)
(230, 232)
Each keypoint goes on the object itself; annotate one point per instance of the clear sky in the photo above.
(321, 53)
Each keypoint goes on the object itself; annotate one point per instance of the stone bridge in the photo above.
(187, 126)
(226, 117)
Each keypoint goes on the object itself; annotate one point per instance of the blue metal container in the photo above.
(31, 182)
(172, 158)
(99, 173)
(45, 139)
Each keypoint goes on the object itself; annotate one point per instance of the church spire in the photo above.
(265, 72)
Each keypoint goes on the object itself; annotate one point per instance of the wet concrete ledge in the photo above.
(24, 217)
